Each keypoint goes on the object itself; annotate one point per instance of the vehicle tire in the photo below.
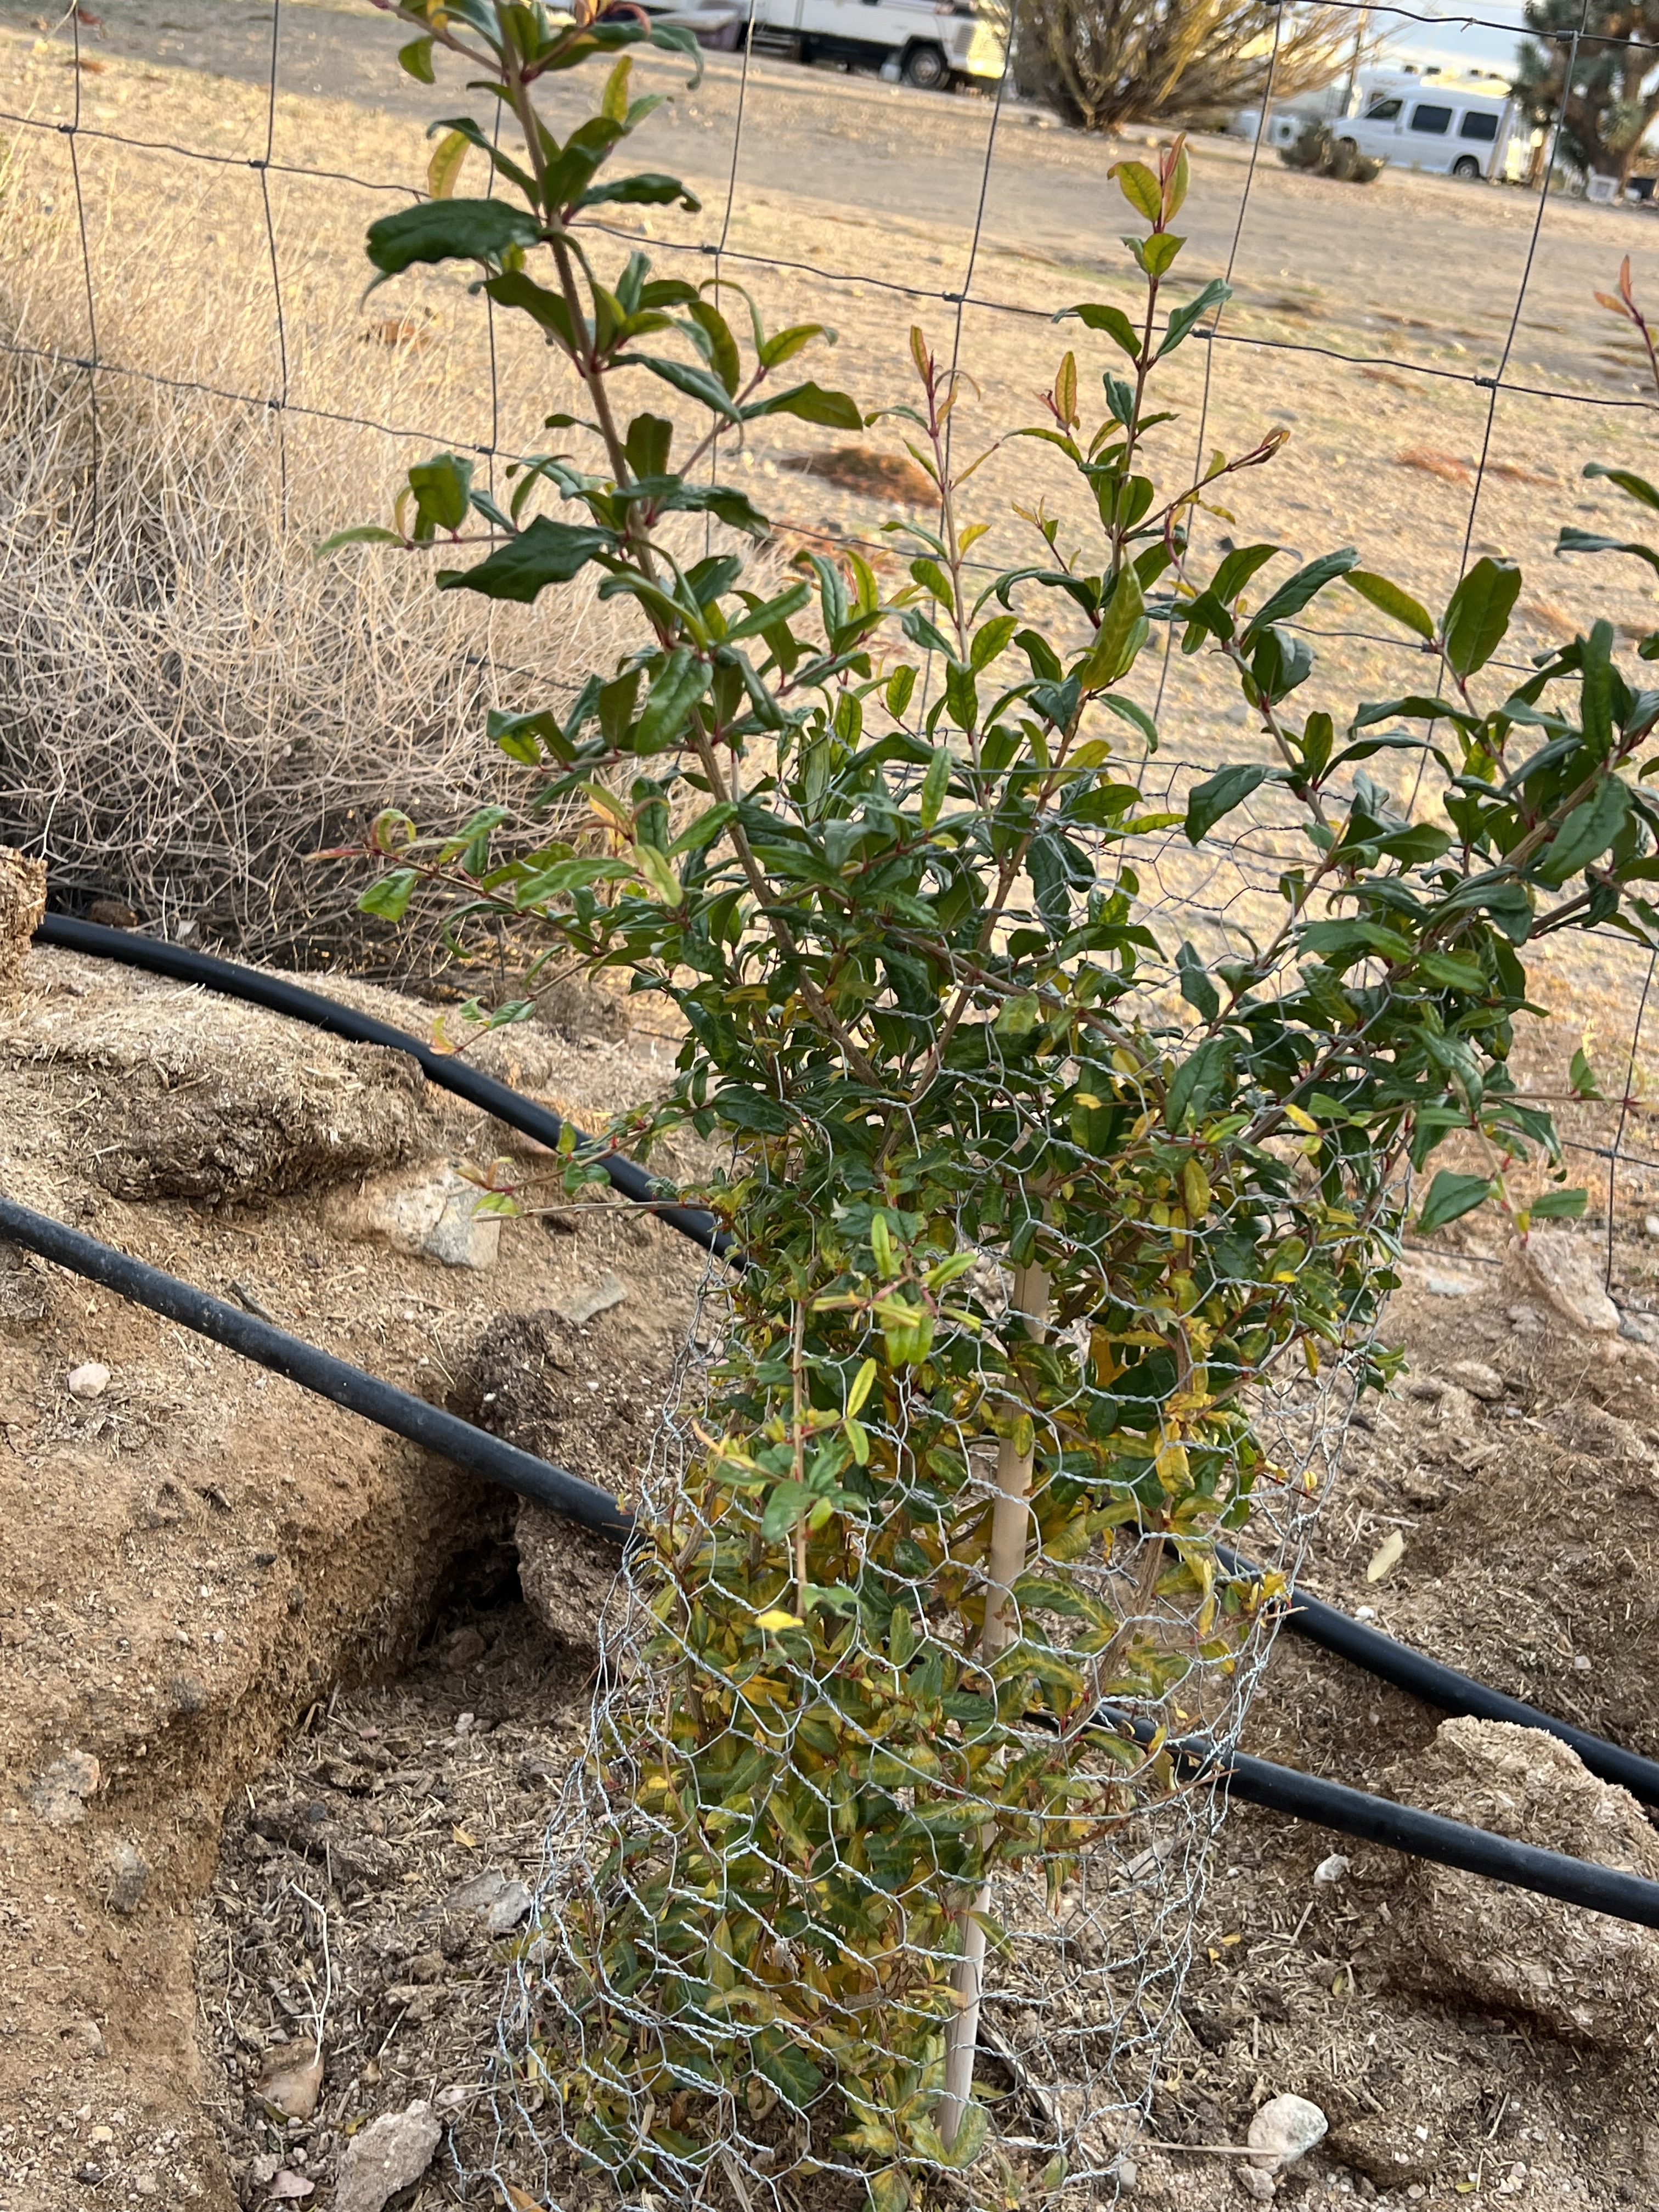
(1344, 159)
(1467, 167)
(927, 69)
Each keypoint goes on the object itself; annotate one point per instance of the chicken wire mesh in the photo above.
(1080, 1987)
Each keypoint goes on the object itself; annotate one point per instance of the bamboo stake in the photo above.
(1010, 1522)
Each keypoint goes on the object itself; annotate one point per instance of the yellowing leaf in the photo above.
(1299, 1118)
(1387, 1556)
(467, 1842)
(443, 171)
(777, 1617)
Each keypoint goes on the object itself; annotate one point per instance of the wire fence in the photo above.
(1078, 2013)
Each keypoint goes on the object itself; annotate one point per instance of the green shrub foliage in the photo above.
(1031, 1200)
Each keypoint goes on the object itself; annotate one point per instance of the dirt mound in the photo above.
(197, 1556)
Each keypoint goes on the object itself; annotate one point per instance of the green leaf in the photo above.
(389, 897)
(1294, 593)
(723, 356)
(647, 188)
(1139, 187)
(1636, 487)
(1120, 635)
(1218, 795)
(544, 553)
(513, 289)
(442, 489)
(934, 785)
(449, 230)
(416, 58)
(900, 686)
(889, 2190)
(1216, 294)
(784, 345)
(809, 403)
(1390, 600)
(361, 533)
(1587, 832)
(789, 2070)
(679, 685)
(1451, 1197)
(742, 1108)
(1581, 1075)
(1113, 320)
(696, 383)
(1478, 614)
(1558, 1205)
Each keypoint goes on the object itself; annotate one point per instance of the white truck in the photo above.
(932, 44)
(1422, 120)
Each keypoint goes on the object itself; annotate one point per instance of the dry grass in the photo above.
(189, 704)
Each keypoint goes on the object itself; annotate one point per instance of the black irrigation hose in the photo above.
(1400, 1827)
(1436, 1684)
(447, 1070)
(399, 1411)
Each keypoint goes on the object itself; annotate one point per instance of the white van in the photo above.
(1454, 127)
(928, 43)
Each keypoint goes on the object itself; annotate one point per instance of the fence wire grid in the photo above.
(1079, 2006)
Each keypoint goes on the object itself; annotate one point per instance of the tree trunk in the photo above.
(1010, 1524)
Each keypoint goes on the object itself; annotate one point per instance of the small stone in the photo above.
(463, 1649)
(1255, 2183)
(1448, 1286)
(1331, 1869)
(1568, 1271)
(478, 1894)
(87, 2037)
(388, 2155)
(1581, 1664)
(597, 1299)
(145, 2185)
(292, 2080)
(1386, 1558)
(1283, 2129)
(262, 2169)
(90, 1380)
(431, 1210)
(60, 1795)
(100, 2135)
(287, 2185)
(509, 1909)
(126, 1874)
(1478, 1379)
(1651, 1224)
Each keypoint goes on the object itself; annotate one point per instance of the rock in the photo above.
(1640, 1328)
(509, 1909)
(597, 1299)
(1478, 1379)
(1284, 2128)
(87, 2037)
(1584, 1976)
(1386, 1558)
(1448, 1286)
(126, 1877)
(23, 903)
(1331, 1869)
(60, 1795)
(1390, 2149)
(292, 2080)
(1567, 1271)
(262, 2169)
(1254, 2183)
(464, 1648)
(478, 1895)
(288, 2187)
(90, 1380)
(388, 2155)
(431, 1210)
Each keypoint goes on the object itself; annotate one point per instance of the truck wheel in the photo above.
(927, 69)
(1467, 167)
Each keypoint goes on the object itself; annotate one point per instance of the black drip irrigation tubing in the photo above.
(400, 1411)
(1279, 1789)
(1397, 1827)
(450, 1072)
(1436, 1684)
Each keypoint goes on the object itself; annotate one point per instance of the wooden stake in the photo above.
(1010, 1526)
